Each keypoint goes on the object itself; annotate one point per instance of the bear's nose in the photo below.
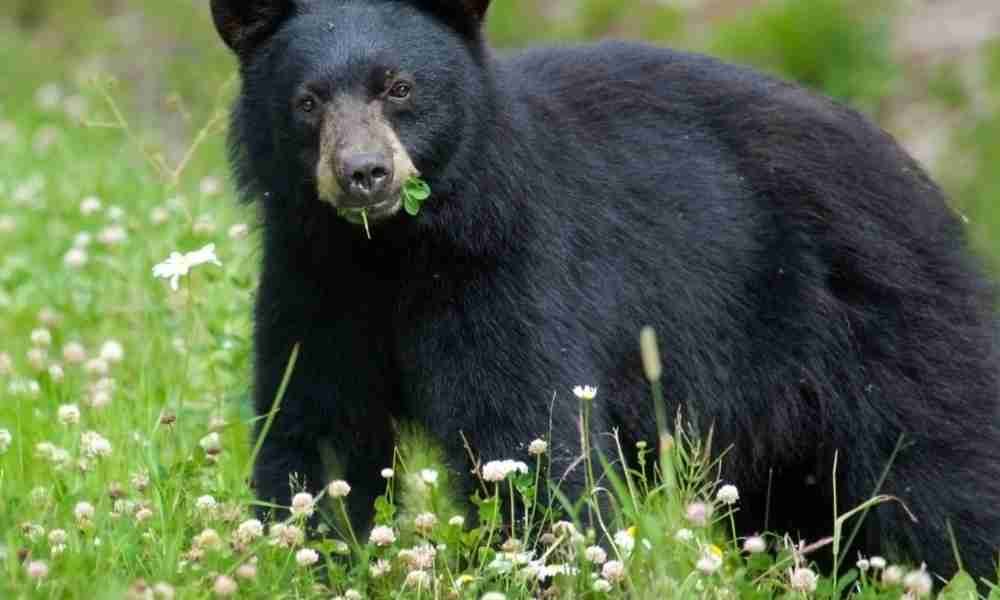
(367, 177)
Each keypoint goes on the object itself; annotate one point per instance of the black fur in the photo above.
(812, 291)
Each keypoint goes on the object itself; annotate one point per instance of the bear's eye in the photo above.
(307, 104)
(400, 90)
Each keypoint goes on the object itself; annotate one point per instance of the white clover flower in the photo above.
(380, 568)
(208, 539)
(493, 596)
(143, 514)
(698, 513)
(457, 521)
(382, 536)
(178, 265)
(625, 542)
(352, 594)
(224, 586)
(425, 522)
(37, 569)
(602, 586)
(429, 476)
(69, 414)
(419, 558)
(498, 470)
(5, 440)
(754, 545)
(163, 591)
(286, 536)
(90, 205)
(83, 511)
(247, 571)
(893, 575)
(613, 571)
(205, 504)
(210, 185)
(56, 372)
(249, 530)
(877, 562)
(239, 231)
(710, 560)
(37, 358)
(97, 366)
(112, 235)
(94, 445)
(57, 537)
(41, 337)
(306, 557)
(863, 565)
(388, 473)
(918, 583)
(338, 489)
(728, 495)
(211, 443)
(538, 447)
(112, 351)
(303, 505)
(115, 213)
(803, 580)
(418, 579)
(585, 392)
(596, 555)
(76, 258)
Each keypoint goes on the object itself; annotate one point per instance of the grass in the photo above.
(125, 401)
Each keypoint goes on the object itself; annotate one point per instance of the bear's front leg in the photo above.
(338, 397)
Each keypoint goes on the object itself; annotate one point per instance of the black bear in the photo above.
(813, 291)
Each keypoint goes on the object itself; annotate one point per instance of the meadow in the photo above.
(124, 413)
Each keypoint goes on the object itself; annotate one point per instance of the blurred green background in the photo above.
(927, 70)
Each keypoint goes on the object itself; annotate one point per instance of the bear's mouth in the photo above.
(374, 213)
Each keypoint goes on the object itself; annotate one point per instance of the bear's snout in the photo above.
(366, 178)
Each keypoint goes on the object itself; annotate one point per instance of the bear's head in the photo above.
(344, 100)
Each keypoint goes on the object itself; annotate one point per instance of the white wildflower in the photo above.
(803, 580)
(83, 511)
(303, 505)
(76, 258)
(380, 568)
(418, 579)
(112, 351)
(382, 536)
(388, 473)
(596, 555)
(306, 557)
(41, 337)
(538, 447)
(457, 521)
(918, 583)
(69, 414)
(613, 571)
(239, 231)
(877, 562)
(338, 489)
(56, 372)
(429, 476)
(698, 513)
(754, 545)
(602, 586)
(37, 569)
(893, 575)
(224, 586)
(625, 542)
(498, 470)
(178, 265)
(94, 445)
(684, 535)
(585, 392)
(728, 495)
(112, 235)
(90, 205)
(425, 522)
(5, 440)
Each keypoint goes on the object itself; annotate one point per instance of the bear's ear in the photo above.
(244, 24)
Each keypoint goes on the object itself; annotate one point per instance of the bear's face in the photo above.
(354, 96)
